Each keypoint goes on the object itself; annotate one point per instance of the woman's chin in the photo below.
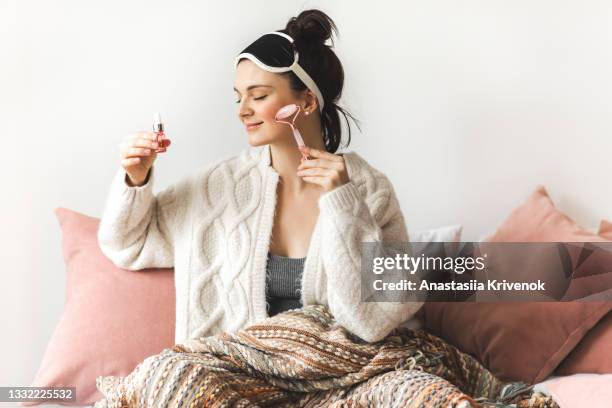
(256, 139)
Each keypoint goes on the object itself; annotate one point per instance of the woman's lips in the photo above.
(255, 126)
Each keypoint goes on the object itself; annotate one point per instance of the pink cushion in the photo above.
(522, 341)
(593, 354)
(582, 390)
(605, 230)
(538, 220)
(113, 318)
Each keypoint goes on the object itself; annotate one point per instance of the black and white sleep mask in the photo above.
(276, 52)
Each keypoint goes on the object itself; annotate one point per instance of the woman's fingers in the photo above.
(325, 169)
(318, 171)
(320, 154)
(128, 152)
(321, 159)
(137, 147)
(323, 163)
(130, 162)
(142, 142)
(143, 135)
(322, 181)
(137, 152)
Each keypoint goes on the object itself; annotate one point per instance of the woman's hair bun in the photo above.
(311, 27)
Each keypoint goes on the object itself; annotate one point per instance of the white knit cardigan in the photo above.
(214, 228)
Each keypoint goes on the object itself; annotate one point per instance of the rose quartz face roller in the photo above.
(286, 112)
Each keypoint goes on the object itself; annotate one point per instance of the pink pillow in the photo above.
(113, 318)
(538, 220)
(522, 341)
(605, 229)
(581, 390)
(593, 354)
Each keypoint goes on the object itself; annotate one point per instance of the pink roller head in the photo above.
(286, 112)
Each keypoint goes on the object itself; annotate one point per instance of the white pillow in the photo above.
(423, 241)
(451, 233)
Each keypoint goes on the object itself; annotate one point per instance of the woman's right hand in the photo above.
(137, 153)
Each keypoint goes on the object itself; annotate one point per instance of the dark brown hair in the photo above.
(310, 30)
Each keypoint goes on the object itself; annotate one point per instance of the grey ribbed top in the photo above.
(283, 283)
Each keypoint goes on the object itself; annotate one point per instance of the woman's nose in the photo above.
(243, 109)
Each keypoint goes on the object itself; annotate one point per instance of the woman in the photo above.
(266, 218)
(264, 231)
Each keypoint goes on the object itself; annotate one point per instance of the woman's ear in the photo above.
(311, 103)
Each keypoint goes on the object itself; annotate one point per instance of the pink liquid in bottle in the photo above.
(158, 128)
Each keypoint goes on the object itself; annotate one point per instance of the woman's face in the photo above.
(259, 95)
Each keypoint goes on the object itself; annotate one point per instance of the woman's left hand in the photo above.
(325, 169)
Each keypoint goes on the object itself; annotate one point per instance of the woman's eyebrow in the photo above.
(255, 86)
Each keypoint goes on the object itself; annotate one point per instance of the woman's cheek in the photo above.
(269, 113)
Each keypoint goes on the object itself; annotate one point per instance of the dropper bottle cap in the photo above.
(158, 126)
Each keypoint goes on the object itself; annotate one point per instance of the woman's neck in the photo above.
(285, 158)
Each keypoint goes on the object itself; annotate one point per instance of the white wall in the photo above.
(467, 106)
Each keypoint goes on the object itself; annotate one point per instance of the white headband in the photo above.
(295, 68)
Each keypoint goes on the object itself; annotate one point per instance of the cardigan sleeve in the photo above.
(348, 222)
(136, 228)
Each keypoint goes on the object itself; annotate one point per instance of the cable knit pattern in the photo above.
(214, 228)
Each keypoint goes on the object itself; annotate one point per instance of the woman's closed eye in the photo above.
(257, 99)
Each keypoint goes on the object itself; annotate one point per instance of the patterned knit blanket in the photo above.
(303, 358)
